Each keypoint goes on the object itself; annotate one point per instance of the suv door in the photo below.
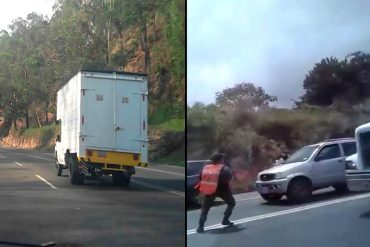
(349, 148)
(327, 166)
(193, 169)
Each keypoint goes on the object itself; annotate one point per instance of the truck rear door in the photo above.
(113, 113)
(127, 117)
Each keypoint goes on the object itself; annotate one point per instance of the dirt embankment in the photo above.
(32, 138)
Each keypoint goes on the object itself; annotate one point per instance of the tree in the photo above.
(245, 95)
(332, 81)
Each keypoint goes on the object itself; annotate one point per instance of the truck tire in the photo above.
(299, 190)
(121, 179)
(58, 167)
(271, 197)
(75, 176)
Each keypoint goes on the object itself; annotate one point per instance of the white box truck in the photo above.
(103, 118)
(358, 165)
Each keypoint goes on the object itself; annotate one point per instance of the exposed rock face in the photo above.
(14, 140)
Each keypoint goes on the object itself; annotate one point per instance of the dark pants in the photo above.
(208, 201)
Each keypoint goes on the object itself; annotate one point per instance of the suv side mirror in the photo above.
(57, 139)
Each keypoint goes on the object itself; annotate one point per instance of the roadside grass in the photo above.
(175, 159)
(173, 124)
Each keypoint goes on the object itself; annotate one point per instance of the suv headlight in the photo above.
(350, 165)
(279, 175)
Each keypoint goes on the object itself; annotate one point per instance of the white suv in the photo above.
(310, 168)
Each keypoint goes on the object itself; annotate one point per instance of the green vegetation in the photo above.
(39, 55)
(176, 159)
(173, 124)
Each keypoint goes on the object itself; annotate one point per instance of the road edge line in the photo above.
(156, 170)
(45, 181)
(18, 163)
(159, 188)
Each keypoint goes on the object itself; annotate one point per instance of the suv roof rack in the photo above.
(339, 139)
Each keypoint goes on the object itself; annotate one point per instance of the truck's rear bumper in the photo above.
(358, 180)
(109, 160)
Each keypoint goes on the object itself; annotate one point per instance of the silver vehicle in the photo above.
(310, 168)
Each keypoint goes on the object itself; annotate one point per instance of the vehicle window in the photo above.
(349, 148)
(194, 168)
(301, 155)
(329, 152)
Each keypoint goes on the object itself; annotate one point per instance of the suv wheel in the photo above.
(299, 190)
(271, 197)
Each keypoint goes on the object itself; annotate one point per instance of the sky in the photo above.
(13, 9)
(270, 43)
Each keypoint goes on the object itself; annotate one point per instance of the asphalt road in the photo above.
(38, 207)
(329, 220)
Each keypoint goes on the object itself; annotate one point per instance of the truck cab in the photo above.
(358, 166)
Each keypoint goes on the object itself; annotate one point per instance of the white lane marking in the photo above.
(175, 192)
(247, 199)
(283, 212)
(47, 182)
(156, 170)
(40, 158)
(240, 200)
(18, 163)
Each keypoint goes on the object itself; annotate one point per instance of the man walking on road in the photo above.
(215, 182)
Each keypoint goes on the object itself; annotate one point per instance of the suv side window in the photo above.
(328, 152)
(349, 148)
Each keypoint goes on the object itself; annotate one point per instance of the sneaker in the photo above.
(200, 229)
(227, 223)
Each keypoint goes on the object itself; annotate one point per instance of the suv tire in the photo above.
(299, 190)
(271, 197)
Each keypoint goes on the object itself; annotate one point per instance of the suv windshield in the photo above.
(301, 155)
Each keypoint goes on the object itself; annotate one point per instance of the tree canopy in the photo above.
(39, 55)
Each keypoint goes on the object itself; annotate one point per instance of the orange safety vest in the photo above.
(209, 180)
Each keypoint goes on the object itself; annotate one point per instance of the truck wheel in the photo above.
(271, 197)
(299, 190)
(121, 179)
(58, 167)
(75, 176)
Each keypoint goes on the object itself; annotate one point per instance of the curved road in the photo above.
(38, 207)
(329, 220)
